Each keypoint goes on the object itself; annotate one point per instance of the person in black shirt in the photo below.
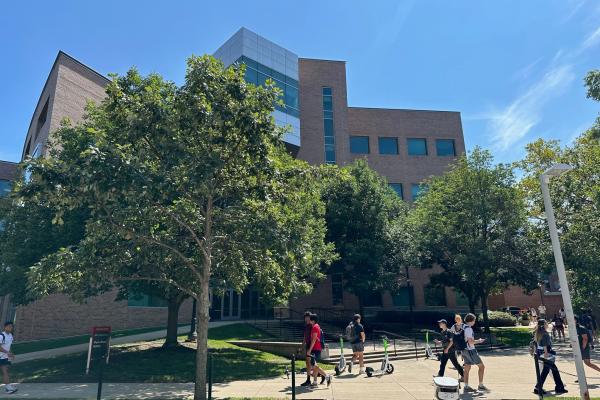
(448, 352)
(358, 344)
(544, 350)
(584, 344)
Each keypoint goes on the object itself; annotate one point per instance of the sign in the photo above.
(99, 347)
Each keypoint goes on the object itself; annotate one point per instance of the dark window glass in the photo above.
(263, 68)
(330, 157)
(435, 296)
(144, 300)
(337, 289)
(461, 300)
(5, 187)
(42, 118)
(403, 297)
(371, 299)
(327, 103)
(397, 187)
(291, 96)
(359, 144)
(327, 91)
(417, 147)
(328, 127)
(445, 147)
(327, 114)
(388, 145)
(261, 79)
(417, 190)
(251, 76)
(278, 76)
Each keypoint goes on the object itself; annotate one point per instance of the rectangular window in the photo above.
(144, 300)
(403, 297)
(397, 187)
(41, 119)
(388, 145)
(417, 190)
(445, 147)
(359, 144)
(328, 127)
(5, 187)
(417, 147)
(337, 289)
(435, 296)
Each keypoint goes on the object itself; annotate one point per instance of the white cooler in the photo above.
(446, 388)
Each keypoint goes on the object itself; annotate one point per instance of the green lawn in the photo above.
(513, 337)
(38, 345)
(149, 362)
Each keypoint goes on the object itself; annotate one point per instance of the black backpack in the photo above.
(458, 340)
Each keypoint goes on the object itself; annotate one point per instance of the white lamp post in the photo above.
(556, 170)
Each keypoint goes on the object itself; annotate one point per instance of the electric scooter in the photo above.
(341, 366)
(386, 367)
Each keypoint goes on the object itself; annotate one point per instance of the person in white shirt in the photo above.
(6, 339)
(470, 355)
(542, 311)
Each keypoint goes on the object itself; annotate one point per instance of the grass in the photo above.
(39, 345)
(149, 362)
(513, 336)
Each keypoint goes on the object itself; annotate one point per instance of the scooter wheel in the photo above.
(337, 370)
(389, 369)
(369, 372)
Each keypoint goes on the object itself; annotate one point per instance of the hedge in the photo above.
(499, 318)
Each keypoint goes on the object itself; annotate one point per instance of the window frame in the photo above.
(361, 137)
(386, 138)
(424, 140)
(437, 150)
(401, 193)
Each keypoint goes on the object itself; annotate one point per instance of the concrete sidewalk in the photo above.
(79, 348)
(509, 375)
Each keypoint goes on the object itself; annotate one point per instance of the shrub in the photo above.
(499, 318)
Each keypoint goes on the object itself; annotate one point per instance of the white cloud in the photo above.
(592, 40)
(514, 122)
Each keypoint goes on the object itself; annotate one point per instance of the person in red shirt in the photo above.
(306, 346)
(314, 350)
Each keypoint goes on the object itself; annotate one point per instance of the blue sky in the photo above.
(514, 69)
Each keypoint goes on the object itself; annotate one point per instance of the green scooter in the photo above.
(386, 367)
(341, 365)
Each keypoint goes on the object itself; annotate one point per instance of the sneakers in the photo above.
(314, 385)
(323, 377)
(328, 380)
(307, 383)
(482, 387)
(350, 366)
(561, 391)
(468, 389)
(10, 389)
(538, 391)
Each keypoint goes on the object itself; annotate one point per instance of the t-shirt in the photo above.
(358, 328)
(316, 329)
(307, 329)
(558, 322)
(447, 336)
(545, 342)
(5, 344)
(581, 330)
(469, 335)
(587, 321)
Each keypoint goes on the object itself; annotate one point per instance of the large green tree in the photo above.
(471, 221)
(365, 222)
(194, 177)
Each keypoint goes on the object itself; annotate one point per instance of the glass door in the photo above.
(231, 305)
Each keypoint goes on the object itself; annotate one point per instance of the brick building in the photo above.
(405, 146)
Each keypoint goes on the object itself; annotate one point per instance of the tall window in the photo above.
(445, 147)
(397, 187)
(417, 190)
(4, 187)
(41, 119)
(359, 144)
(403, 297)
(328, 125)
(417, 147)
(337, 289)
(388, 145)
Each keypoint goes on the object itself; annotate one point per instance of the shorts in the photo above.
(585, 353)
(314, 356)
(471, 357)
(5, 361)
(358, 347)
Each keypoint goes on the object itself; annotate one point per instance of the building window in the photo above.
(435, 296)
(41, 119)
(403, 297)
(5, 187)
(328, 130)
(417, 190)
(144, 300)
(371, 299)
(359, 144)
(417, 147)
(445, 147)
(337, 289)
(461, 300)
(397, 187)
(388, 145)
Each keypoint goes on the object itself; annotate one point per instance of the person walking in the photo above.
(358, 344)
(305, 347)
(585, 344)
(470, 355)
(448, 352)
(542, 311)
(314, 350)
(546, 355)
(559, 327)
(6, 357)
(563, 315)
(533, 314)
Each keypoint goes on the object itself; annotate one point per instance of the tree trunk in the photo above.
(202, 342)
(484, 311)
(174, 303)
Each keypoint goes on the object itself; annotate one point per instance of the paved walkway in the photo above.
(509, 375)
(78, 348)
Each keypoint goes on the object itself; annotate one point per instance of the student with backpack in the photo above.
(6, 339)
(470, 355)
(448, 352)
(355, 333)
(543, 349)
(317, 344)
(458, 338)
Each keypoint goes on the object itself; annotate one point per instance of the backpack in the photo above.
(322, 338)
(349, 334)
(458, 341)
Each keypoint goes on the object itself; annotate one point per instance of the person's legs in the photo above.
(558, 383)
(466, 374)
(589, 363)
(5, 378)
(361, 360)
(481, 371)
(443, 361)
(459, 368)
(543, 375)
